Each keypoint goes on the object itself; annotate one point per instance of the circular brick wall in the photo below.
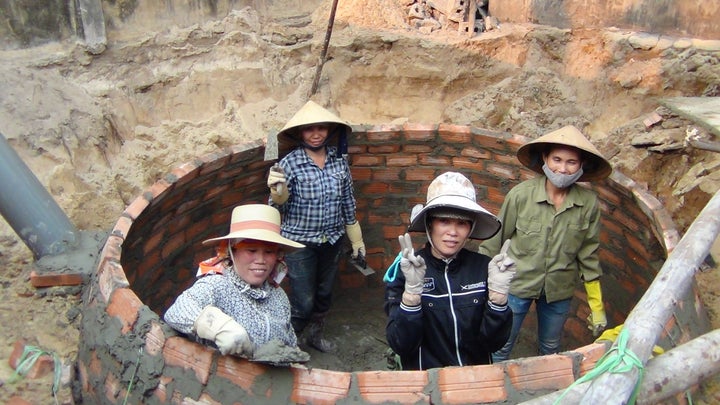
(127, 353)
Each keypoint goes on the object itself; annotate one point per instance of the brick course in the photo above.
(147, 261)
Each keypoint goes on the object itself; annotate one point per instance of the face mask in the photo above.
(560, 180)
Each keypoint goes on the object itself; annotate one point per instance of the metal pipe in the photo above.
(30, 209)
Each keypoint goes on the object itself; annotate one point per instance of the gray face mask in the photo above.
(560, 180)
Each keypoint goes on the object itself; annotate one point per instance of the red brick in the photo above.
(110, 277)
(47, 279)
(124, 305)
(507, 172)
(318, 387)
(472, 384)
(122, 227)
(43, 365)
(475, 153)
(160, 187)
(136, 207)
(591, 354)
(361, 173)
(543, 372)
(112, 388)
(383, 149)
(420, 174)
(367, 160)
(434, 160)
(417, 149)
(180, 352)
(239, 371)
(384, 134)
(403, 387)
(401, 160)
(154, 339)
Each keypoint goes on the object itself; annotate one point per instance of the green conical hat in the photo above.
(595, 166)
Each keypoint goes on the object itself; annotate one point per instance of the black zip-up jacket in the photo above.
(455, 323)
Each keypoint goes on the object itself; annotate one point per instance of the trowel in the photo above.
(271, 153)
(360, 264)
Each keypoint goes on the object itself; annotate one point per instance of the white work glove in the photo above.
(501, 271)
(277, 183)
(229, 336)
(354, 233)
(413, 268)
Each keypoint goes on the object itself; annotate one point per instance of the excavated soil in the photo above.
(98, 129)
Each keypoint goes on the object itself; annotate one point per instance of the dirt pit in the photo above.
(98, 129)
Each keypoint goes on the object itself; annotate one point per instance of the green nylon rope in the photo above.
(619, 359)
(27, 360)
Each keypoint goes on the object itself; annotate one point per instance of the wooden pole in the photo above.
(328, 34)
(646, 321)
(667, 375)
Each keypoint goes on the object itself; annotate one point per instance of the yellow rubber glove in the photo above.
(597, 321)
(356, 240)
(612, 334)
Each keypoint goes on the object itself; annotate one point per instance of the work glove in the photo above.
(354, 233)
(219, 327)
(413, 268)
(277, 183)
(501, 271)
(597, 321)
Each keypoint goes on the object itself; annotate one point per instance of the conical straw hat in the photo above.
(595, 166)
(312, 113)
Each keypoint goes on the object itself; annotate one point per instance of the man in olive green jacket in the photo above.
(554, 226)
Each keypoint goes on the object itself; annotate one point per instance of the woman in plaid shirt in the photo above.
(312, 188)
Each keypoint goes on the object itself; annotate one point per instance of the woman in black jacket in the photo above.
(447, 306)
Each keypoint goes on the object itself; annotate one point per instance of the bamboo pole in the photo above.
(328, 34)
(646, 321)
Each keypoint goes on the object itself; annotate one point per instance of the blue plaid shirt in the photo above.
(321, 201)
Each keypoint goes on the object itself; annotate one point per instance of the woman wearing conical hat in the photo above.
(313, 189)
(554, 225)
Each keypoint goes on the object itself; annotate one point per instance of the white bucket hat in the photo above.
(258, 222)
(453, 191)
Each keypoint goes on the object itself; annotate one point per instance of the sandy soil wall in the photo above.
(696, 19)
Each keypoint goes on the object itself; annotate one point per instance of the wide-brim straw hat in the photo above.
(257, 222)
(454, 191)
(595, 166)
(313, 113)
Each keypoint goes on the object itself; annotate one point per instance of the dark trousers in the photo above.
(312, 272)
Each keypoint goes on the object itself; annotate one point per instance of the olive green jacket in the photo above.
(551, 248)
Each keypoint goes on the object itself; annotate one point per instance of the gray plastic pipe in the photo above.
(30, 210)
